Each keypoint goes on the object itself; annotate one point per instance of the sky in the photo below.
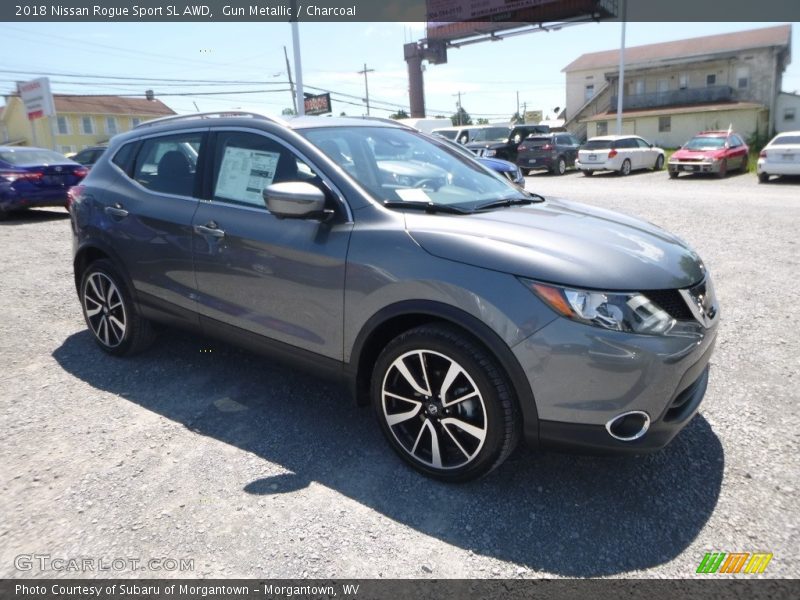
(158, 56)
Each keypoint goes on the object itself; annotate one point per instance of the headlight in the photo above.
(710, 159)
(627, 311)
(490, 152)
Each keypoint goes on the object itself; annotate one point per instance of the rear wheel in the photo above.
(560, 167)
(626, 167)
(763, 177)
(588, 173)
(110, 313)
(444, 404)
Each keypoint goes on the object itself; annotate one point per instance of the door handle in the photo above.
(116, 211)
(209, 228)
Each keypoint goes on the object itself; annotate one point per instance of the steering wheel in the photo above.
(427, 183)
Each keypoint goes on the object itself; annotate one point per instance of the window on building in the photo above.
(602, 128)
(135, 121)
(789, 114)
(87, 125)
(742, 77)
(711, 79)
(111, 125)
(636, 87)
(683, 81)
(66, 149)
(662, 86)
(588, 91)
(62, 123)
(664, 124)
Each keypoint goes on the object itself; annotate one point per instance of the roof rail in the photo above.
(218, 114)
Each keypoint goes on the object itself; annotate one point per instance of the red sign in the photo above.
(317, 105)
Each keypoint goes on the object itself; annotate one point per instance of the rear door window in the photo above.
(168, 164)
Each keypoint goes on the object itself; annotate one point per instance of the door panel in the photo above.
(280, 278)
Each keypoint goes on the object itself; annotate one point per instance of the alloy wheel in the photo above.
(104, 309)
(434, 409)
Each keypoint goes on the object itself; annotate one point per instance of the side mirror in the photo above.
(294, 200)
(652, 145)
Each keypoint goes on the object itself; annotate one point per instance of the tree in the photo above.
(288, 112)
(516, 118)
(461, 117)
(400, 114)
(482, 121)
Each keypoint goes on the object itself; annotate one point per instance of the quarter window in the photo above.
(169, 164)
(246, 163)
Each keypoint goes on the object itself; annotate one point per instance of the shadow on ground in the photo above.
(564, 514)
(24, 217)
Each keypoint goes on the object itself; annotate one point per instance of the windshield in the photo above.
(450, 134)
(491, 134)
(33, 157)
(399, 165)
(705, 143)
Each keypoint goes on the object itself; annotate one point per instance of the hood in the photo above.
(562, 242)
(497, 164)
(710, 153)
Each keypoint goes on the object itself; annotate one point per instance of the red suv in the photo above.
(710, 152)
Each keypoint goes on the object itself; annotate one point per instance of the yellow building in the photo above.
(80, 121)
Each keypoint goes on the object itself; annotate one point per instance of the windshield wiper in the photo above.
(429, 207)
(535, 198)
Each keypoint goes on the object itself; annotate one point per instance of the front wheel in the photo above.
(109, 312)
(673, 174)
(723, 169)
(659, 163)
(626, 167)
(444, 404)
(560, 167)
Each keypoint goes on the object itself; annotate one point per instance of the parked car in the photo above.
(35, 177)
(710, 152)
(469, 313)
(462, 134)
(780, 157)
(504, 145)
(507, 169)
(88, 156)
(620, 153)
(553, 151)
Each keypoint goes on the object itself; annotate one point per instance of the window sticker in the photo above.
(413, 195)
(244, 173)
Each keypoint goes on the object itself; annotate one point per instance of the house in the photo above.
(673, 90)
(787, 112)
(80, 121)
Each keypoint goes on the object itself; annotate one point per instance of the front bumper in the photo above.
(694, 167)
(583, 376)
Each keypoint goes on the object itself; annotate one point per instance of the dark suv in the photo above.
(504, 145)
(467, 312)
(553, 151)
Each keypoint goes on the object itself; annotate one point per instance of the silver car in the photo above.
(468, 313)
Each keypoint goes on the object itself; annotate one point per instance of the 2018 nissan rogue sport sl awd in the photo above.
(469, 313)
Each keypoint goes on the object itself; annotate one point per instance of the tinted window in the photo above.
(598, 144)
(736, 141)
(626, 143)
(642, 144)
(169, 164)
(449, 134)
(786, 139)
(491, 134)
(246, 163)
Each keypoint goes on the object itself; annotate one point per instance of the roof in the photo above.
(679, 110)
(713, 44)
(111, 105)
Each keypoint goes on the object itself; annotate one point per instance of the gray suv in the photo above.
(467, 312)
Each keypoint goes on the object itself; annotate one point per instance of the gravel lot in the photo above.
(200, 451)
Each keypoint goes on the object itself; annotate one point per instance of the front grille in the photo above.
(672, 303)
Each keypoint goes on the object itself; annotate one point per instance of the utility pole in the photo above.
(518, 104)
(298, 63)
(366, 84)
(289, 72)
(621, 86)
(458, 105)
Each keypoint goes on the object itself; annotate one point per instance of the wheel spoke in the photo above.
(90, 312)
(472, 430)
(424, 366)
(452, 372)
(422, 429)
(396, 418)
(118, 324)
(100, 296)
(400, 365)
(104, 330)
(460, 399)
(455, 441)
(436, 458)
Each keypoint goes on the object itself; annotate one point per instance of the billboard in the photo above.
(457, 19)
(317, 105)
(36, 97)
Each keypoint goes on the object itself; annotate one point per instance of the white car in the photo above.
(621, 153)
(780, 157)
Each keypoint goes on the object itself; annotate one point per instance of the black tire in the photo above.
(723, 169)
(527, 172)
(587, 173)
(560, 167)
(659, 163)
(487, 406)
(625, 169)
(763, 177)
(104, 293)
(673, 174)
